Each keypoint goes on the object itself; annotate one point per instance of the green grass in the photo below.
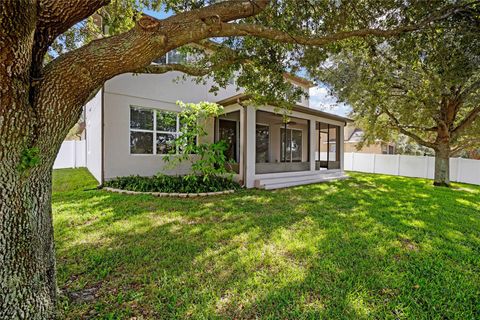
(372, 246)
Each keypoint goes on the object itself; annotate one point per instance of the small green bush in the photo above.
(173, 184)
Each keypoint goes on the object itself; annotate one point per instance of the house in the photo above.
(133, 117)
(353, 137)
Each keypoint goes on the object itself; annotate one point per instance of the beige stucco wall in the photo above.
(149, 91)
(373, 148)
(93, 135)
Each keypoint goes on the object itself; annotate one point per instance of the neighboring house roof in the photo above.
(299, 79)
(241, 97)
(356, 135)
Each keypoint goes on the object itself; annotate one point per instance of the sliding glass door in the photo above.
(291, 145)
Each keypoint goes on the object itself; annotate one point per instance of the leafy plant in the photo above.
(30, 157)
(173, 184)
(209, 159)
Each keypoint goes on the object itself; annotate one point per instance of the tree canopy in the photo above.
(285, 36)
(424, 84)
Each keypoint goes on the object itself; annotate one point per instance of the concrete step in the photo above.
(299, 183)
(290, 181)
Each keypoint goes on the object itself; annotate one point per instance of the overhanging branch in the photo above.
(54, 18)
(406, 132)
(245, 29)
(468, 120)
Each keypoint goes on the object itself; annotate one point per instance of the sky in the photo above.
(321, 99)
(158, 14)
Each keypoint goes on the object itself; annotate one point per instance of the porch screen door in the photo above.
(291, 143)
(227, 130)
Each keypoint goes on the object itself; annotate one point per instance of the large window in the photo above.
(152, 131)
(291, 143)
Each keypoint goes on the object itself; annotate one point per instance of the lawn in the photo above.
(372, 246)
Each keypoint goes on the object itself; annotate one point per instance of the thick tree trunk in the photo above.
(27, 272)
(442, 166)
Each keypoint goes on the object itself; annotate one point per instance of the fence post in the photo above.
(458, 170)
(374, 162)
(398, 164)
(426, 166)
(74, 153)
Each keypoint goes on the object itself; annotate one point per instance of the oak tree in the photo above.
(52, 61)
(424, 84)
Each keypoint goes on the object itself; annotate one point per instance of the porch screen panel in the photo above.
(296, 145)
(333, 147)
(262, 143)
(227, 131)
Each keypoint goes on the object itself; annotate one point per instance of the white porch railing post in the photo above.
(250, 158)
(312, 144)
(242, 144)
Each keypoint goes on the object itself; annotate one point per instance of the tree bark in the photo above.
(442, 167)
(27, 274)
(442, 158)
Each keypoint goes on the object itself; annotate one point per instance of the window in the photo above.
(152, 131)
(173, 56)
(384, 148)
(391, 150)
(291, 143)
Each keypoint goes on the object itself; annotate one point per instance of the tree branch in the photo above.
(402, 129)
(471, 143)
(68, 81)
(468, 120)
(190, 70)
(473, 87)
(54, 18)
(244, 29)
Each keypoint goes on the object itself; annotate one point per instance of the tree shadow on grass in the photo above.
(350, 249)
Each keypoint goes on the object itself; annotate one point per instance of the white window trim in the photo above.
(154, 131)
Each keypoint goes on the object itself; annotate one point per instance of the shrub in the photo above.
(173, 184)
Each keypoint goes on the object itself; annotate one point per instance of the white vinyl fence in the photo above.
(72, 154)
(461, 170)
